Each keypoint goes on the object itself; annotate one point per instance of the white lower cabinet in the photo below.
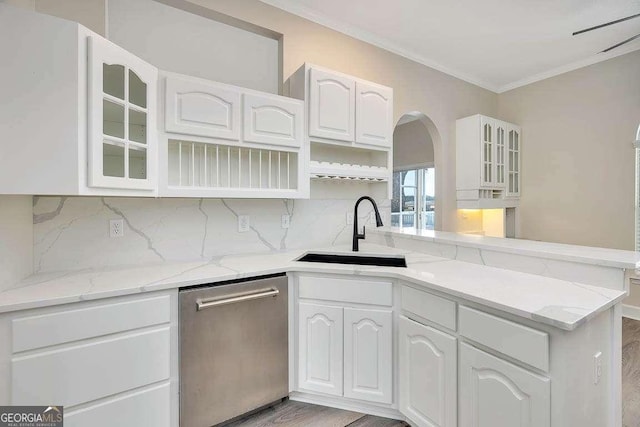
(320, 342)
(109, 362)
(368, 354)
(496, 393)
(428, 378)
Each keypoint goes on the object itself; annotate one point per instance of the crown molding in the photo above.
(600, 57)
(383, 43)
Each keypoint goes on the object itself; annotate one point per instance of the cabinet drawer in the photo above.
(520, 342)
(345, 290)
(270, 119)
(430, 307)
(91, 370)
(150, 407)
(71, 325)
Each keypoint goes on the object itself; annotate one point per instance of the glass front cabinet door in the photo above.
(514, 147)
(122, 118)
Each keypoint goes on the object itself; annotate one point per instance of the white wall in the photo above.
(578, 167)
(182, 42)
(412, 145)
(16, 239)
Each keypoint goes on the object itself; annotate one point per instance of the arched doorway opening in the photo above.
(417, 150)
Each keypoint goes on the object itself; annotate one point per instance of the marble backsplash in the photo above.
(73, 232)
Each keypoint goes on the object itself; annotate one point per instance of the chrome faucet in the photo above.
(357, 236)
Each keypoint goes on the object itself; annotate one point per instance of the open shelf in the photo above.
(217, 166)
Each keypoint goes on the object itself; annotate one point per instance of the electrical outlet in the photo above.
(286, 220)
(349, 218)
(243, 223)
(116, 228)
(597, 367)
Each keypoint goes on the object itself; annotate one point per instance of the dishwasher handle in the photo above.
(249, 296)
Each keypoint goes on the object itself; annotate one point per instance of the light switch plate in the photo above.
(286, 221)
(243, 223)
(349, 218)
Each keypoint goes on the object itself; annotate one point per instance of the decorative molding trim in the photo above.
(383, 43)
(631, 312)
(367, 37)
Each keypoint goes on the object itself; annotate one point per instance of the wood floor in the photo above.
(630, 372)
(298, 414)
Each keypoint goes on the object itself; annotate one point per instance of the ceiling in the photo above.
(496, 44)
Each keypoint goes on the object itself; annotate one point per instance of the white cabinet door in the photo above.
(273, 120)
(331, 106)
(368, 355)
(122, 118)
(320, 337)
(514, 145)
(501, 153)
(374, 114)
(487, 148)
(495, 393)
(427, 375)
(196, 107)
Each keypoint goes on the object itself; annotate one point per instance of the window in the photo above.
(413, 202)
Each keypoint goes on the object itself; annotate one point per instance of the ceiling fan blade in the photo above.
(630, 39)
(606, 24)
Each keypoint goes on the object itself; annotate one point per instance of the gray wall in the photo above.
(182, 42)
(578, 176)
(412, 146)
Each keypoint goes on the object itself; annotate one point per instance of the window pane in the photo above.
(137, 90)
(137, 126)
(113, 160)
(409, 178)
(408, 199)
(112, 119)
(113, 80)
(138, 163)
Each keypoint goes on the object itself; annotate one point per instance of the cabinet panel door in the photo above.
(320, 337)
(514, 146)
(487, 152)
(273, 120)
(195, 107)
(331, 106)
(427, 375)
(122, 140)
(495, 393)
(368, 355)
(374, 114)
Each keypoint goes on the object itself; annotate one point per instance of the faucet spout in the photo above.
(356, 235)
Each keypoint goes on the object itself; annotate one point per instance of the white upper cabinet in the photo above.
(368, 368)
(198, 107)
(82, 121)
(275, 120)
(331, 106)
(427, 375)
(122, 112)
(219, 140)
(495, 393)
(487, 163)
(374, 114)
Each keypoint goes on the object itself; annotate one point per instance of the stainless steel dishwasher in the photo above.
(233, 349)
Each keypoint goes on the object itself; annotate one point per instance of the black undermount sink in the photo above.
(382, 261)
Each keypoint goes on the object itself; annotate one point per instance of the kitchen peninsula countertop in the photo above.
(559, 303)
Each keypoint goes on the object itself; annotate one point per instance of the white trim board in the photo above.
(383, 43)
(631, 311)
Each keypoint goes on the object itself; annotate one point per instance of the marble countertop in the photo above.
(559, 303)
(581, 254)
